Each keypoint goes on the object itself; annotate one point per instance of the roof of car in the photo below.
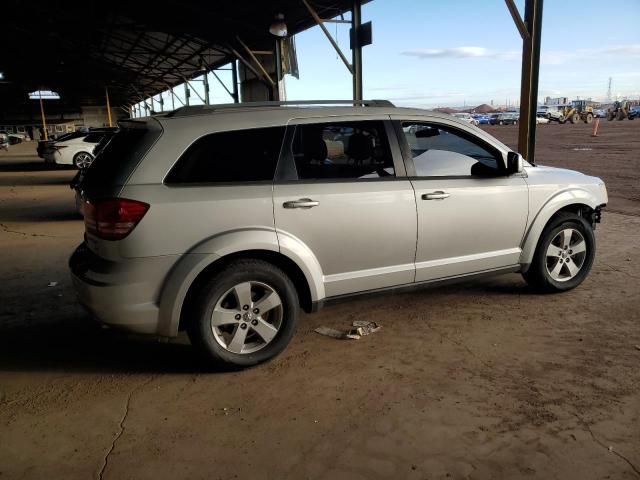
(279, 113)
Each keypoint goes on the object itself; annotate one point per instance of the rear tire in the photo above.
(620, 115)
(82, 160)
(245, 314)
(589, 118)
(564, 254)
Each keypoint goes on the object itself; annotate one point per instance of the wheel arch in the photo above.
(580, 202)
(195, 267)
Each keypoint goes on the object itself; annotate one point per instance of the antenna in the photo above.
(609, 91)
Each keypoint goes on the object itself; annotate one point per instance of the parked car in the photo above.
(76, 150)
(43, 145)
(634, 112)
(13, 138)
(4, 141)
(600, 112)
(226, 221)
(482, 118)
(503, 119)
(466, 117)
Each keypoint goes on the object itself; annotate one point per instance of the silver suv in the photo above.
(225, 220)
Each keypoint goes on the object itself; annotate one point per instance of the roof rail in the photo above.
(193, 109)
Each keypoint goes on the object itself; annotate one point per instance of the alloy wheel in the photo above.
(247, 317)
(566, 255)
(83, 160)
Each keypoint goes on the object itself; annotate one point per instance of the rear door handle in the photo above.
(302, 203)
(439, 195)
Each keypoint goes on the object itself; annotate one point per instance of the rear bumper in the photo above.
(120, 294)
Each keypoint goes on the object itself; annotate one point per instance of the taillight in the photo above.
(113, 218)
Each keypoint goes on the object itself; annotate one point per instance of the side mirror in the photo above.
(515, 163)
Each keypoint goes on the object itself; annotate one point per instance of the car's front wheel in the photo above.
(564, 254)
(245, 314)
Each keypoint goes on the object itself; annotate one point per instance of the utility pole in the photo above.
(609, 91)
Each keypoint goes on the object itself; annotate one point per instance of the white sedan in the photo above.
(76, 151)
(466, 117)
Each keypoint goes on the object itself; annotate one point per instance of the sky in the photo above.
(430, 53)
(455, 52)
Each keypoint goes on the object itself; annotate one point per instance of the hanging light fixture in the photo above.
(278, 27)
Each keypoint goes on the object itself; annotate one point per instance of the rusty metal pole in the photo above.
(44, 121)
(106, 94)
(529, 79)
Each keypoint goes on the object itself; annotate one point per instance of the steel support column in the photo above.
(356, 62)
(529, 79)
(234, 81)
(186, 94)
(206, 88)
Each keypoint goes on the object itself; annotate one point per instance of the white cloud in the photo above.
(551, 57)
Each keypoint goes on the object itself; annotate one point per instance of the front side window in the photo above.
(93, 138)
(440, 151)
(237, 156)
(342, 150)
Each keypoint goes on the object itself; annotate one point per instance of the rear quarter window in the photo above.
(120, 156)
(224, 157)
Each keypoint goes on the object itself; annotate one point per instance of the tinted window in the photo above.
(342, 150)
(239, 156)
(439, 151)
(120, 156)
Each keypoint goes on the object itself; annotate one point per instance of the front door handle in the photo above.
(439, 195)
(302, 203)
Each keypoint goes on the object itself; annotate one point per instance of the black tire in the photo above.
(588, 118)
(538, 276)
(620, 115)
(610, 116)
(199, 326)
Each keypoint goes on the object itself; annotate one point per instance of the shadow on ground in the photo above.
(84, 346)
(34, 166)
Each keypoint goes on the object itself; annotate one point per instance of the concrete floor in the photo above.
(479, 380)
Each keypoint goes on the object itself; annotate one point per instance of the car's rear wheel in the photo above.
(245, 314)
(83, 160)
(564, 254)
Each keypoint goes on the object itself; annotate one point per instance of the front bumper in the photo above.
(120, 294)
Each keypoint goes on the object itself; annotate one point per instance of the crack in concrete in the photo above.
(8, 230)
(121, 426)
(620, 271)
(604, 445)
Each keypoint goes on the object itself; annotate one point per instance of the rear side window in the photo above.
(238, 156)
(115, 162)
(342, 150)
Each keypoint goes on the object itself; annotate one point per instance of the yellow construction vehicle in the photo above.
(619, 111)
(579, 110)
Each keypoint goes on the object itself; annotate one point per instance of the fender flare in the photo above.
(562, 199)
(194, 262)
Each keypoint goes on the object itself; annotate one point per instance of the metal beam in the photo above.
(356, 21)
(320, 23)
(265, 74)
(529, 79)
(234, 80)
(513, 10)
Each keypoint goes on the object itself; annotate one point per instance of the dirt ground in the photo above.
(482, 380)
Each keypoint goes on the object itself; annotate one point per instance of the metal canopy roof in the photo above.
(136, 48)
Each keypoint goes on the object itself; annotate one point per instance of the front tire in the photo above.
(245, 314)
(564, 254)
